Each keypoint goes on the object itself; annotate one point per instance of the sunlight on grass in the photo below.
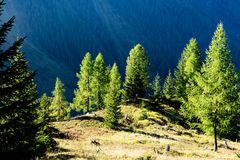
(147, 140)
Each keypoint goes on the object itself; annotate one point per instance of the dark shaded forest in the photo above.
(59, 33)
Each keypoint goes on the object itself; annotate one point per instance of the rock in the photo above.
(167, 148)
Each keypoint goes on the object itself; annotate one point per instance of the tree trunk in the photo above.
(88, 104)
(215, 136)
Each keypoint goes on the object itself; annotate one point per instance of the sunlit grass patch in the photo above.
(148, 138)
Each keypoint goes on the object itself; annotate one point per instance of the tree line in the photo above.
(208, 91)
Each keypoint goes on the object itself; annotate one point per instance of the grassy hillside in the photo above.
(145, 137)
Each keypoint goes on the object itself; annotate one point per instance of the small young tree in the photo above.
(113, 98)
(45, 103)
(45, 135)
(168, 87)
(156, 86)
(99, 82)
(59, 106)
(136, 79)
(83, 93)
(215, 96)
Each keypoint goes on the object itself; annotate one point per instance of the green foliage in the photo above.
(43, 110)
(214, 95)
(238, 156)
(156, 86)
(59, 109)
(99, 82)
(19, 126)
(147, 156)
(143, 104)
(136, 79)
(108, 72)
(113, 98)
(188, 65)
(44, 136)
(83, 93)
(168, 87)
(143, 115)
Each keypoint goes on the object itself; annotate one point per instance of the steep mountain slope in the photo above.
(60, 32)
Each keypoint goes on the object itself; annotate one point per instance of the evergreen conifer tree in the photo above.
(99, 82)
(20, 130)
(108, 72)
(45, 103)
(59, 109)
(113, 98)
(168, 86)
(156, 87)
(215, 96)
(83, 93)
(45, 136)
(136, 79)
(189, 64)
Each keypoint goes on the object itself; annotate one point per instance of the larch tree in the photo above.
(136, 79)
(59, 108)
(215, 96)
(156, 86)
(99, 82)
(83, 94)
(113, 98)
(188, 65)
(168, 86)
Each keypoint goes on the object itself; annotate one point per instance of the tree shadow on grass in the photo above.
(174, 117)
(161, 123)
(131, 130)
(155, 135)
(62, 156)
(85, 117)
(60, 149)
(171, 112)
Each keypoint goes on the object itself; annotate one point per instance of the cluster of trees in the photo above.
(208, 91)
(100, 87)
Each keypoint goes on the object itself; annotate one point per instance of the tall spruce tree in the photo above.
(19, 128)
(168, 86)
(113, 98)
(136, 79)
(83, 94)
(156, 86)
(215, 96)
(99, 82)
(59, 109)
(188, 65)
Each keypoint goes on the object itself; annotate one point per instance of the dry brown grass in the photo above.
(145, 142)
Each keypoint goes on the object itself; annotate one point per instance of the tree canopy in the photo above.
(83, 94)
(215, 97)
(136, 79)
